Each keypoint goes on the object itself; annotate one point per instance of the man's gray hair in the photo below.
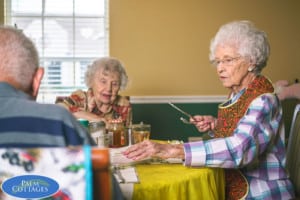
(19, 58)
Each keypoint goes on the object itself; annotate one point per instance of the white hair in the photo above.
(107, 64)
(250, 42)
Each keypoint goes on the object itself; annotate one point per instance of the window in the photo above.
(69, 35)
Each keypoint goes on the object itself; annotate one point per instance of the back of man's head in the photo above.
(18, 58)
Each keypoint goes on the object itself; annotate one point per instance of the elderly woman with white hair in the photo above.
(105, 77)
(248, 137)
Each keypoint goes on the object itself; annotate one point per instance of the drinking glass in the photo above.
(140, 132)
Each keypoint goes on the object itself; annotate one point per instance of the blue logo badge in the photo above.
(30, 186)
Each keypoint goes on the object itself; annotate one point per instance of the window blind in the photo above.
(69, 35)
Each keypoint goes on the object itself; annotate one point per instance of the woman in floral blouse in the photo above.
(105, 77)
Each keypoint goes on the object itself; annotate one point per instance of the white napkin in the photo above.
(127, 190)
(128, 174)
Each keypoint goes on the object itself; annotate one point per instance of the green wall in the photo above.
(165, 120)
(166, 124)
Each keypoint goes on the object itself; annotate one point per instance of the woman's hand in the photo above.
(284, 90)
(91, 100)
(204, 122)
(150, 149)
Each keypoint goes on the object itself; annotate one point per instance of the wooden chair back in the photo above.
(102, 183)
(293, 151)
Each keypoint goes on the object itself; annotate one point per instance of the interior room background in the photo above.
(164, 45)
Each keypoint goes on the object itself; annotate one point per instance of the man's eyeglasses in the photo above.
(226, 61)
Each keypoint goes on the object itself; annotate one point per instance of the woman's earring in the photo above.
(250, 69)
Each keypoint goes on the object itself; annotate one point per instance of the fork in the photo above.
(116, 170)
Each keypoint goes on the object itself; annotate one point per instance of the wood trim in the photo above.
(176, 99)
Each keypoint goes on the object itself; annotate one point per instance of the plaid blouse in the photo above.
(257, 148)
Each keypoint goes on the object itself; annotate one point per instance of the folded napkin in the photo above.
(126, 175)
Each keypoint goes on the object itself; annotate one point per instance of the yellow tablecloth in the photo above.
(175, 181)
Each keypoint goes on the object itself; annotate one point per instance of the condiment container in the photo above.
(84, 123)
(98, 133)
(116, 133)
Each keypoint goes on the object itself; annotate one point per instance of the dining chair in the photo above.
(293, 151)
(102, 183)
(78, 171)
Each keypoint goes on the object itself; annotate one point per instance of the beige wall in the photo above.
(1, 11)
(164, 43)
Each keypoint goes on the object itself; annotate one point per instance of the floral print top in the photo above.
(82, 101)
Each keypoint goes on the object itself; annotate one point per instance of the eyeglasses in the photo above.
(226, 61)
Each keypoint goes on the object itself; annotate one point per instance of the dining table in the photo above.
(175, 181)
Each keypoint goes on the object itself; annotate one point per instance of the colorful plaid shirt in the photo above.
(257, 148)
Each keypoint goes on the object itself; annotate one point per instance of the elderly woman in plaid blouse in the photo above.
(105, 77)
(247, 136)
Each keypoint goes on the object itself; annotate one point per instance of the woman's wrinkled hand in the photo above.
(204, 122)
(150, 149)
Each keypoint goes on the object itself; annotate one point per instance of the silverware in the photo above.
(120, 176)
(117, 171)
(180, 110)
(185, 121)
(211, 134)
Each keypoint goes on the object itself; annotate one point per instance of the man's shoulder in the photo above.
(51, 108)
(47, 110)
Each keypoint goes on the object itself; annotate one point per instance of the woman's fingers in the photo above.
(138, 151)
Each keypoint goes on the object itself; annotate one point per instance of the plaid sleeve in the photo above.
(251, 138)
